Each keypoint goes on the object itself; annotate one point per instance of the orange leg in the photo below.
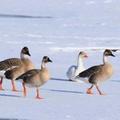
(38, 95)
(24, 90)
(89, 90)
(13, 86)
(99, 90)
(1, 88)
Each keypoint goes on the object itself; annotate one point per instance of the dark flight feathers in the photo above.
(28, 74)
(90, 71)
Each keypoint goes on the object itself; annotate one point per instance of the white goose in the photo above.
(74, 70)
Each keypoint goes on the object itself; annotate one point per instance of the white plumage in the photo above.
(74, 70)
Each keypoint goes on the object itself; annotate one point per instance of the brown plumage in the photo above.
(9, 63)
(24, 64)
(36, 77)
(98, 74)
(13, 62)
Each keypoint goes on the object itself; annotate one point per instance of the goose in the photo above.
(98, 74)
(74, 70)
(36, 77)
(7, 65)
(11, 63)
(25, 65)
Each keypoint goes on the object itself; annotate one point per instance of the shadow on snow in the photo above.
(9, 95)
(60, 79)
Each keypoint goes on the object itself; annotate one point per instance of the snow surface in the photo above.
(60, 29)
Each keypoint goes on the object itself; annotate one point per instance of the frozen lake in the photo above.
(60, 29)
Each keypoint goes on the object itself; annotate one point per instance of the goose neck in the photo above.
(105, 59)
(43, 65)
(23, 56)
(80, 62)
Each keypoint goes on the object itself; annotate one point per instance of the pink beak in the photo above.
(86, 56)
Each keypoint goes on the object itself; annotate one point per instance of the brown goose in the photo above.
(98, 74)
(17, 70)
(7, 65)
(36, 77)
(10, 64)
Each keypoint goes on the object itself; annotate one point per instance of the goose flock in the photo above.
(22, 69)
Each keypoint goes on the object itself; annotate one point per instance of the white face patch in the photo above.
(24, 56)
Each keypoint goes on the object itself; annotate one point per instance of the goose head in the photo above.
(83, 55)
(25, 54)
(46, 59)
(108, 52)
(25, 51)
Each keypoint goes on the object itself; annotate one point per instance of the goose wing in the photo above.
(71, 72)
(10, 63)
(90, 71)
(28, 74)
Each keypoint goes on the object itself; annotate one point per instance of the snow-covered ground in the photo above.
(60, 29)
